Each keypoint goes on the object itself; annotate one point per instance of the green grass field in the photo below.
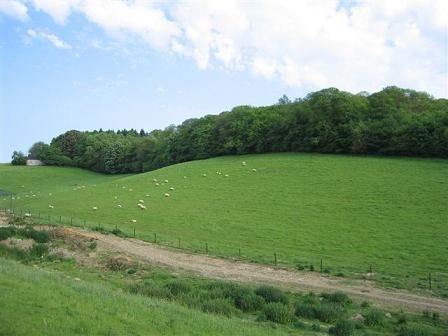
(38, 302)
(351, 211)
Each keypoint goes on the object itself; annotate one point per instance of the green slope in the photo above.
(353, 212)
(36, 302)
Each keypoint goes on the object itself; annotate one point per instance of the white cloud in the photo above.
(14, 8)
(53, 39)
(359, 45)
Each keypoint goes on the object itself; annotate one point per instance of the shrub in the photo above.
(218, 306)
(151, 290)
(435, 316)
(328, 312)
(374, 317)
(337, 297)
(271, 294)
(247, 301)
(305, 310)
(414, 330)
(365, 304)
(38, 236)
(402, 319)
(311, 298)
(118, 233)
(6, 232)
(342, 328)
(177, 287)
(277, 312)
(315, 327)
(92, 245)
(39, 250)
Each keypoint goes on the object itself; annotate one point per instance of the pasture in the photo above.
(356, 213)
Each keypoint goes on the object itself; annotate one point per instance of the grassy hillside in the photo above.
(36, 302)
(353, 212)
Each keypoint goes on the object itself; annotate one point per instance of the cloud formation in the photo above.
(14, 8)
(353, 45)
(53, 39)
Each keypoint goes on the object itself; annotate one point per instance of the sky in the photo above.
(114, 64)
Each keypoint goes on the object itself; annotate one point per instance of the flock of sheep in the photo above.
(141, 202)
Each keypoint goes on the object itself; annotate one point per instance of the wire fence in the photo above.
(426, 280)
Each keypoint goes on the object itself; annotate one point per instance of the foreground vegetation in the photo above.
(119, 296)
(358, 214)
(392, 121)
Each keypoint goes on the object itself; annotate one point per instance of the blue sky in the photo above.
(90, 64)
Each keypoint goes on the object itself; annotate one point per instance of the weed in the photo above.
(277, 312)
(271, 294)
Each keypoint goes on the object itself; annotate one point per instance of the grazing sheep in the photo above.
(133, 220)
(50, 194)
(157, 184)
(141, 201)
(226, 175)
(141, 206)
(185, 177)
(94, 208)
(205, 175)
(148, 195)
(116, 197)
(51, 206)
(167, 195)
(155, 180)
(254, 170)
(27, 214)
(166, 181)
(244, 163)
(172, 188)
(119, 205)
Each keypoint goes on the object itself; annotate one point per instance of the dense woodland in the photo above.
(393, 121)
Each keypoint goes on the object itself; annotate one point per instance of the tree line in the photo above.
(394, 121)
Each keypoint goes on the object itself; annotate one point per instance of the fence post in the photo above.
(206, 248)
(430, 280)
(178, 243)
(134, 232)
(321, 265)
(60, 219)
(275, 259)
(155, 238)
(239, 252)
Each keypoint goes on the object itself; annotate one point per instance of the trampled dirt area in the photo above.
(226, 269)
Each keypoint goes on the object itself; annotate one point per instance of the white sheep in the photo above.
(116, 197)
(226, 175)
(155, 180)
(27, 214)
(167, 195)
(157, 184)
(119, 205)
(148, 195)
(50, 194)
(166, 181)
(243, 163)
(172, 188)
(205, 175)
(133, 220)
(51, 206)
(141, 201)
(254, 170)
(94, 208)
(185, 177)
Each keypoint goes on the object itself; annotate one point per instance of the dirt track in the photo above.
(218, 268)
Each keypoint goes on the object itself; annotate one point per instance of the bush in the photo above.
(328, 312)
(6, 232)
(374, 317)
(271, 294)
(148, 289)
(414, 330)
(118, 233)
(337, 297)
(218, 306)
(277, 312)
(305, 310)
(39, 250)
(365, 304)
(315, 327)
(342, 328)
(177, 287)
(247, 301)
(38, 236)
(435, 316)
